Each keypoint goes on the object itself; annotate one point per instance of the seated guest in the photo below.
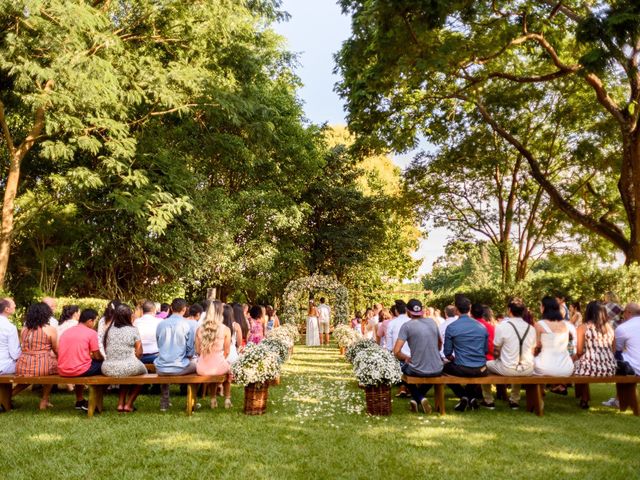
(105, 321)
(595, 349)
(385, 318)
(9, 341)
(39, 343)
(424, 341)
(123, 349)
(175, 347)
(68, 318)
(628, 336)
(470, 340)
(256, 335)
(514, 343)
(479, 313)
(147, 325)
(213, 343)
(193, 315)
(228, 318)
(52, 305)
(272, 318)
(450, 314)
(393, 329)
(241, 319)
(79, 353)
(552, 339)
(164, 311)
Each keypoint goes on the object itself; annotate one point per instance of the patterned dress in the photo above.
(256, 334)
(598, 359)
(37, 357)
(120, 359)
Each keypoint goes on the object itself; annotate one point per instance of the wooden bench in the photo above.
(534, 385)
(98, 383)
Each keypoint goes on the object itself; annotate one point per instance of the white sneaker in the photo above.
(612, 402)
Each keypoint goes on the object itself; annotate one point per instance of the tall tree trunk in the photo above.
(629, 187)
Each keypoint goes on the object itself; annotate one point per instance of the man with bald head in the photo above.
(628, 336)
(52, 305)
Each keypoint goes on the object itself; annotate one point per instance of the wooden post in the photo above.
(535, 403)
(5, 396)
(191, 395)
(212, 293)
(628, 397)
(439, 398)
(93, 400)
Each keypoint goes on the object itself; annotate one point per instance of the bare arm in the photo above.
(198, 340)
(138, 347)
(227, 341)
(397, 351)
(580, 344)
(53, 334)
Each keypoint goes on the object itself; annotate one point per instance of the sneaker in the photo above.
(612, 402)
(426, 407)
(164, 406)
(82, 405)
(413, 405)
(462, 405)
(488, 405)
(473, 404)
(514, 405)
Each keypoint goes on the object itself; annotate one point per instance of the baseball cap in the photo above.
(414, 307)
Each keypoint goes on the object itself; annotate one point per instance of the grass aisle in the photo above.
(316, 428)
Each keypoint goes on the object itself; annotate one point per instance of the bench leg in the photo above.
(439, 398)
(535, 403)
(93, 400)
(628, 397)
(191, 396)
(5, 396)
(501, 392)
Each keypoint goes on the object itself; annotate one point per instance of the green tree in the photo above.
(409, 67)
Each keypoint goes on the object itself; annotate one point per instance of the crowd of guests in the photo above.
(470, 341)
(178, 338)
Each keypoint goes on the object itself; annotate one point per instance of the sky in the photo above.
(315, 32)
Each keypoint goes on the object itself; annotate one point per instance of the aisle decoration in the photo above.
(300, 288)
(377, 369)
(255, 369)
(357, 346)
(345, 336)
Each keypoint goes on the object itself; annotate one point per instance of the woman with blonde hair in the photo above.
(313, 328)
(213, 343)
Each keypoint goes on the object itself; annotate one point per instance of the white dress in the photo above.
(313, 332)
(554, 358)
(233, 351)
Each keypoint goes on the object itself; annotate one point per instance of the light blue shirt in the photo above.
(9, 346)
(469, 339)
(175, 344)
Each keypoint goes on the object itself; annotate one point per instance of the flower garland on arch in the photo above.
(324, 283)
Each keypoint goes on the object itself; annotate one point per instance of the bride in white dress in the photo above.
(313, 329)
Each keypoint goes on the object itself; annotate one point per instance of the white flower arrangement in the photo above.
(277, 346)
(376, 366)
(257, 364)
(283, 334)
(293, 330)
(301, 287)
(345, 335)
(357, 346)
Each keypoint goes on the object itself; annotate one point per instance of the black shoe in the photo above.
(514, 405)
(490, 406)
(584, 405)
(462, 405)
(82, 405)
(473, 404)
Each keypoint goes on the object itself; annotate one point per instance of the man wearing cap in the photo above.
(470, 340)
(424, 341)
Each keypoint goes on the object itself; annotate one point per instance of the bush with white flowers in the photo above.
(257, 364)
(282, 334)
(293, 331)
(376, 366)
(357, 347)
(345, 335)
(277, 346)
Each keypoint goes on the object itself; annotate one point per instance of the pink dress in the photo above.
(256, 334)
(213, 362)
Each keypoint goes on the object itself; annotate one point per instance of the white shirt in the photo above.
(53, 322)
(507, 341)
(147, 325)
(9, 346)
(393, 329)
(324, 313)
(628, 342)
(443, 328)
(66, 326)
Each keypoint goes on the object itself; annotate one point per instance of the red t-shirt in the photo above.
(74, 350)
(491, 330)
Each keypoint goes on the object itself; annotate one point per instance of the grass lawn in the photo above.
(316, 427)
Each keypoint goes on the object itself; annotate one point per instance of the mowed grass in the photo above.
(316, 427)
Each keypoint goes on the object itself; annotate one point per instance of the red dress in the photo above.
(37, 357)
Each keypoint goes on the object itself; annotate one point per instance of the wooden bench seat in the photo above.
(98, 383)
(533, 385)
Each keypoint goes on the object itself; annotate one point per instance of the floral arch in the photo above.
(296, 289)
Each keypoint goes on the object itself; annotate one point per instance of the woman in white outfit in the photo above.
(552, 340)
(313, 329)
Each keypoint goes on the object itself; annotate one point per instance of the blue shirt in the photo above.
(175, 344)
(469, 339)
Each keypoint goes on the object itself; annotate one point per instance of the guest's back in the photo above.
(469, 339)
(175, 344)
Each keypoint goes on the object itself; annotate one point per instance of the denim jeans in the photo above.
(418, 392)
(468, 391)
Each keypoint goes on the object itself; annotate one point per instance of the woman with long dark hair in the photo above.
(68, 318)
(552, 340)
(241, 319)
(596, 347)
(228, 319)
(39, 342)
(123, 349)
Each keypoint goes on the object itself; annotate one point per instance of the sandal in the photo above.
(214, 402)
(559, 390)
(227, 403)
(129, 410)
(120, 408)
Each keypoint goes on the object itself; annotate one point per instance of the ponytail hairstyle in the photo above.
(110, 310)
(68, 311)
(212, 327)
(121, 318)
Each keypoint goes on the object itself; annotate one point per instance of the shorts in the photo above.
(324, 327)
